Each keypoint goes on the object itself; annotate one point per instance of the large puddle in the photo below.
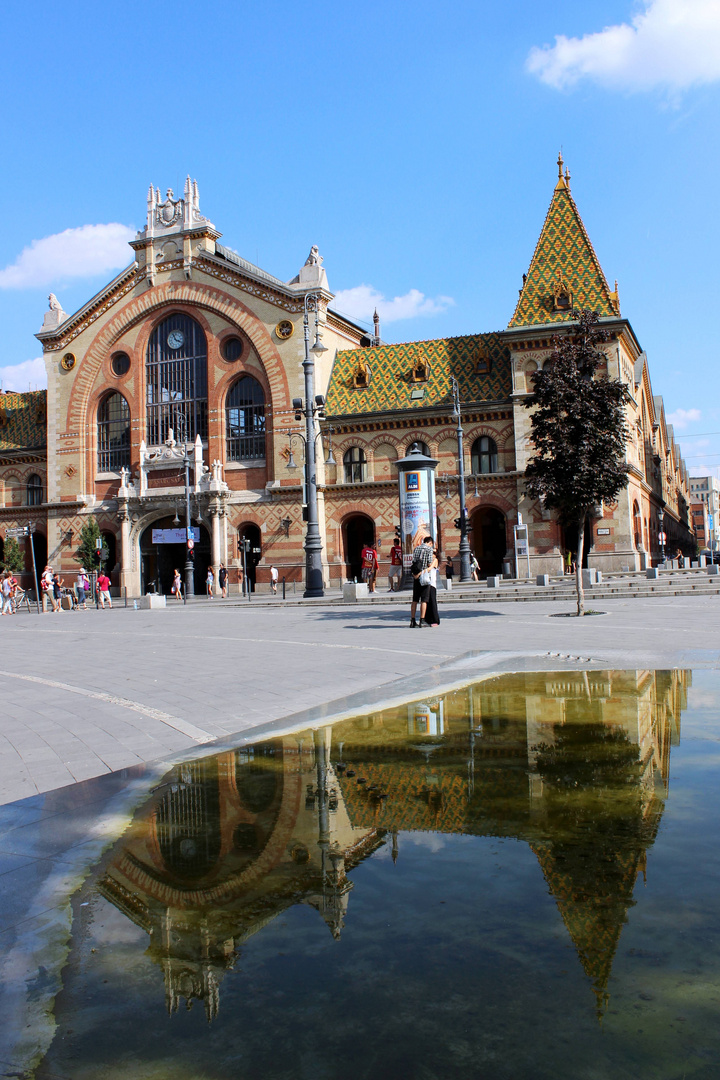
(516, 880)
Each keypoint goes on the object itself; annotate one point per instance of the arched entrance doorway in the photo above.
(159, 561)
(253, 555)
(39, 543)
(488, 539)
(358, 530)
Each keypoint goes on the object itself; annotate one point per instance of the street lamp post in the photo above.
(465, 574)
(189, 563)
(310, 409)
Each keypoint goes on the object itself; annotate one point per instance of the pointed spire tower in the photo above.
(565, 272)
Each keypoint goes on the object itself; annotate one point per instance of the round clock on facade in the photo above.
(175, 339)
(68, 361)
(284, 329)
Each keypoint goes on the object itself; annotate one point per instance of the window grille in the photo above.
(245, 420)
(355, 464)
(176, 381)
(484, 456)
(113, 433)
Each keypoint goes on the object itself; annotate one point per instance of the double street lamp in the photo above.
(311, 408)
(465, 574)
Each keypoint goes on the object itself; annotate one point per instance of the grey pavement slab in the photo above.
(97, 690)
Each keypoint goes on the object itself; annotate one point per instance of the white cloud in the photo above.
(74, 253)
(672, 44)
(361, 301)
(682, 417)
(29, 375)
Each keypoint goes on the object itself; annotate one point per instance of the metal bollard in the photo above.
(283, 588)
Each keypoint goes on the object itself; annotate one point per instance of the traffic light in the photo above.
(458, 523)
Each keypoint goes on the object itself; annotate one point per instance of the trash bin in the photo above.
(507, 569)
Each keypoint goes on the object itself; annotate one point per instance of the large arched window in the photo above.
(355, 464)
(113, 433)
(34, 490)
(483, 455)
(245, 420)
(176, 367)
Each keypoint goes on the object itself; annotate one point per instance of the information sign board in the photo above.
(174, 536)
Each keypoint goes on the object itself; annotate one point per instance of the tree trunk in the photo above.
(578, 567)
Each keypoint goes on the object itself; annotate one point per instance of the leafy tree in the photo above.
(87, 554)
(13, 558)
(578, 431)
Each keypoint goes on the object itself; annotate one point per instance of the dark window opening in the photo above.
(176, 381)
(484, 456)
(245, 420)
(34, 490)
(232, 349)
(113, 434)
(355, 464)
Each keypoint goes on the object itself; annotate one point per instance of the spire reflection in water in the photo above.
(570, 768)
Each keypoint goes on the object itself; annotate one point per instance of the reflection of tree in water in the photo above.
(595, 826)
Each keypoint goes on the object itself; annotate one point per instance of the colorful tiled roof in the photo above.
(479, 362)
(563, 256)
(23, 420)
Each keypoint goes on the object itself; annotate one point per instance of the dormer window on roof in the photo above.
(420, 370)
(361, 376)
(562, 294)
(482, 362)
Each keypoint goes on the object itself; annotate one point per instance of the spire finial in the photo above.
(561, 184)
(567, 178)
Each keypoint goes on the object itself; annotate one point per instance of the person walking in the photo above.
(369, 566)
(474, 568)
(223, 580)
(176, 588)
(422, 561)
(80, 588)
(103, 588)
(449, 573)
(274, 579)
(46, 586)
(432, 615)
(210, 581)
(6, 592)
(395, 572)
(57, 588)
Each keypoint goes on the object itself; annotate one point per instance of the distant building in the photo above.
(706, 489)
(193, 344)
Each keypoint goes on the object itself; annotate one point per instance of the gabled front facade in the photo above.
(193, 345)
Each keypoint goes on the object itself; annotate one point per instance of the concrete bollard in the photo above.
(494, 582)
(151, 602)
(542, 579)
(353, 591)
(713, 569)
(589, 577)
(652, 572)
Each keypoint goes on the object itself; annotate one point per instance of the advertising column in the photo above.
(416, 488)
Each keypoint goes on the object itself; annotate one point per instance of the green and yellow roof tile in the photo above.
(22, 420)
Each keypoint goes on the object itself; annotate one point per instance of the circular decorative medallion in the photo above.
(68, 361)
(175, 339)
(284, 329)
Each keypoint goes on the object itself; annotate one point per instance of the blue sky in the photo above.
(415, 144)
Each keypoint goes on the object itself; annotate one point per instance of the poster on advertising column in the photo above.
(417, 510)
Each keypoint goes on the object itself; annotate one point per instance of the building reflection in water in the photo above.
(576, 764)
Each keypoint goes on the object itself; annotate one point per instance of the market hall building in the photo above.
(192, 344)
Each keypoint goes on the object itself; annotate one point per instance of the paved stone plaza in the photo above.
(92, 692)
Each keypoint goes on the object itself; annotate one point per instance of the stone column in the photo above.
(215, 521)
(125, 551)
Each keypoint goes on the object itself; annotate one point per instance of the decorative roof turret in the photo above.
(564, 272)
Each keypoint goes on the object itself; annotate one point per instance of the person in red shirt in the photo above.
(103, 588)
(369, 565)
(396, 567)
